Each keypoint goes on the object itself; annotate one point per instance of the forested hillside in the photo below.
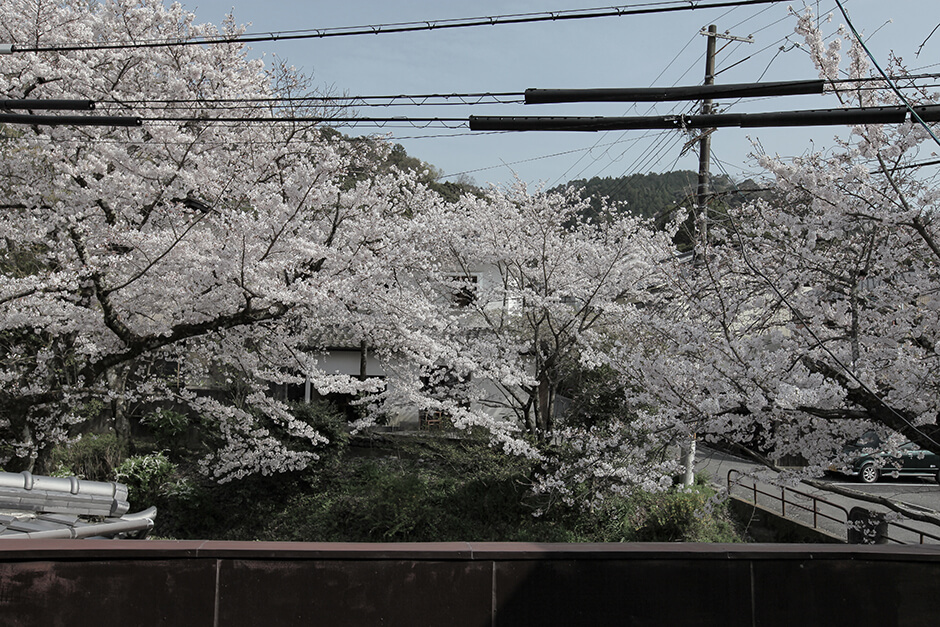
(648, 195)
(652, 195)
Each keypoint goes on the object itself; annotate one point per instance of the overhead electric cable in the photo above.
(661, 94)
(405, 27)
(330, 121)
(48, 105)
(347, 101)
(914, 114)
(69, 120)
(465, 99)
(816, 117)
(539, 158)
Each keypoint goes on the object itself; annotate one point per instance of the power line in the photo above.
(660, 94)
(48, 105)
(816, 117)
(468, 99)
(405, 27)
(69, 120)
(532, 95)
(914, 113)
(539, 158)
(332, 121)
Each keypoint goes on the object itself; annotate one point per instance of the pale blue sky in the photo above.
(635, 51)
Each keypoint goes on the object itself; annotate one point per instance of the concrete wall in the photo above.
(98, 583)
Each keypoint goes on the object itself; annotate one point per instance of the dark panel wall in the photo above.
(97, 583)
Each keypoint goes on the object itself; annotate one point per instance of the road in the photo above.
(921, 493)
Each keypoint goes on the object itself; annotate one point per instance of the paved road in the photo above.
(822, 509)
(921, 493)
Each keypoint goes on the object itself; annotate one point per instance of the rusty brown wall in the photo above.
(98, 583)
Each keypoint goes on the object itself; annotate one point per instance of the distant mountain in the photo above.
(658, 196)
(646, 195)
(652, 196)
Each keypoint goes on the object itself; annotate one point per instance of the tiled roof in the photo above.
(36, 506)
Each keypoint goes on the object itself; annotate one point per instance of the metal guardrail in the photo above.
(783, 501)
(880, 527)
(922, 535)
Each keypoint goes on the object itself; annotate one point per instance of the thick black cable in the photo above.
(346, 102)
(342, 101)
(69, 120)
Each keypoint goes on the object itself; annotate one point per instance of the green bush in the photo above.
(327, 419)
(92, 457)
(422, 490)
(682, 515)
(408, 499)
(149, 478)
(168, 427)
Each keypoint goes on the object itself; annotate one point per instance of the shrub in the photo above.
(168, 427)
(682, 515)
(149, 478)
(327, 419)
(425, 489)
(92, 457)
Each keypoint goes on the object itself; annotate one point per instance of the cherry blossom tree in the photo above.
(813, 316)
(520, 292)
(214, 241)
(222, 242)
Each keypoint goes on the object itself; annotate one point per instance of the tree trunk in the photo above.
(546, 403)
(363, 360)
(688, 460)
(117, 380)
(531, 421)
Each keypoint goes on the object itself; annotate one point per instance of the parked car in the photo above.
(869, 463)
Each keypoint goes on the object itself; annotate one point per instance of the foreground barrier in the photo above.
(88, 582)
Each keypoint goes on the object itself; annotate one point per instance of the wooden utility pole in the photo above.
(701, 202)
(701, 215)
(705, 139)
(705, 146)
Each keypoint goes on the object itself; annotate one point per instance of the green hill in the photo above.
(647, 195)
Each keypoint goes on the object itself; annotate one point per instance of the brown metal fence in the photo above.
(88, 582)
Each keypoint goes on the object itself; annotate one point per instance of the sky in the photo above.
(629, 51)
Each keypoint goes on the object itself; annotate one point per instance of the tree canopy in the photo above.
(810, 316)
(201, 263)
(139, 259)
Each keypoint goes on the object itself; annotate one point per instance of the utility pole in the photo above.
(701, 215)
(701, 198)
(705, 146)
(705, 138)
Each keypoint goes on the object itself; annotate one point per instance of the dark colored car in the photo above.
(910, 460)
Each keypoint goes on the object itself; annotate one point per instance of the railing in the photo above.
(873, 524)
(920, 533)
(783, 501)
